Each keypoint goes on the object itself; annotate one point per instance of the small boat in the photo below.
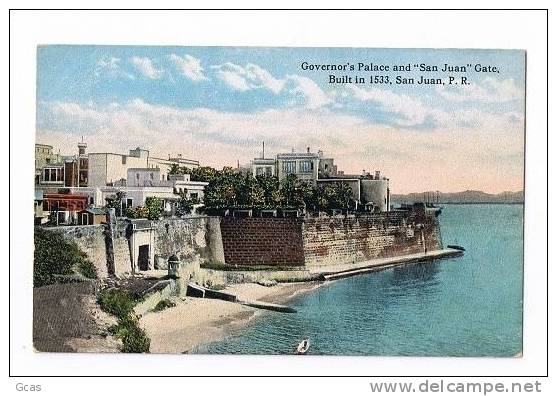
(302, 347)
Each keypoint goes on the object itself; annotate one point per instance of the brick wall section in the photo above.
(262, 241)
(342, 240)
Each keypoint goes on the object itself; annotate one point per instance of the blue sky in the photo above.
(217, 104)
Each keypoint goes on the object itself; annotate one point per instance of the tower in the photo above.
(81, 146)
(82, 165)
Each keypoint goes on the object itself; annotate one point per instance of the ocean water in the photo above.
(465, 306)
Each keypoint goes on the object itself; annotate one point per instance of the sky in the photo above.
(218, 104)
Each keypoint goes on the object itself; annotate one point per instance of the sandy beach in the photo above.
(195, 321)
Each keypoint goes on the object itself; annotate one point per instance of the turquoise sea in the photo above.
(465, 306)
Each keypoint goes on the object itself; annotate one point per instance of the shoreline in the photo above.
(198, 321)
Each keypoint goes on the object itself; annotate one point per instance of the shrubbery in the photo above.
(116, 302)
(87, 269)
(152, 210)
(55, 255)
(120, 303)
(135, 340)
(230, 189)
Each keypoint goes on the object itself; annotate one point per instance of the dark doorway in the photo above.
(143, 259)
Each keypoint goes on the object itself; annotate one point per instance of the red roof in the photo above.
(65, 196)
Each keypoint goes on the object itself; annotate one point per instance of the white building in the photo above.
(106, 169)
(263, 166)
(369, 190)
(109, 169)
(141, 183)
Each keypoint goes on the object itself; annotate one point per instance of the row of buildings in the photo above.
(76, 187)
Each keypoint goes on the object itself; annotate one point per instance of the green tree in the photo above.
(271, 190)
(174, 169)
(185, 204)
(297, 193)
(221, 190)
(154, 207)
(249, 192)
(342, 198)
(333, 196)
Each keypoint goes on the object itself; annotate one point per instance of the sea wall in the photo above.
(304, 243)
(262, 241)
(339, 240)
(327, 240)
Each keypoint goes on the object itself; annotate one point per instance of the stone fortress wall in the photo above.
(276, 242)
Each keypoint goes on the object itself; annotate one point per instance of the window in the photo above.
(269, 171)
(306, 166)
(129, 202)
(194, 195)
(53, 175)
(151, 176)
(289, 167)
(259, 171)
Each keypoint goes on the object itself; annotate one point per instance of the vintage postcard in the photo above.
(279, 200)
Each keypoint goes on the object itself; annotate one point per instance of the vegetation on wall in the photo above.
(230, 189)
(267, 192)
(185, 204)
(152, 210)
(120, 303)
(139, 212)
(201, 174)
(56, 256)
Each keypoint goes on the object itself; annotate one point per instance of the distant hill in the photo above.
(463, 197)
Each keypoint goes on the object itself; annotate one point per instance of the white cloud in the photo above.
(411, 110)
(264, 78)
(110, 66)
(77, 112)
(146, 67)
(251, 77)
(313, 95)
(457, 157)
(248, 77)
(490, 90)
(189, 66)
(234, 76)
(109, 63)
